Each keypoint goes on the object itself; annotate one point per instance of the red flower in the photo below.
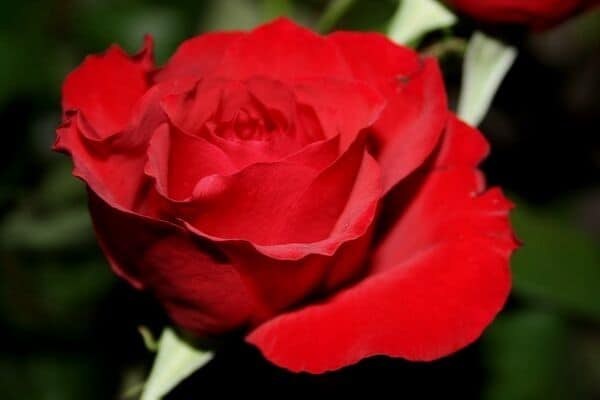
(538, 14)
(313, 191)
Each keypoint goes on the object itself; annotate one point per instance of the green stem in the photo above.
(335, 10)
(451, 45)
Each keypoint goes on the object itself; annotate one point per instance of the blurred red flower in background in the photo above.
(537, 14)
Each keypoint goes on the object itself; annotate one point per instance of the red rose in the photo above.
(313, 191)
(538, 14)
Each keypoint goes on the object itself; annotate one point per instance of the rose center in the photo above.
(245, 125)
(248, 128)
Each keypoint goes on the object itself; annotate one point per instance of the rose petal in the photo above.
(106, 87)
(283, 51)
(437, 279)
(189, 111)
(178, 161)
(344, 108)
(339, 205)
(114, 166)
(198, 56)
(317, 155)
(252, 204)
(193, 281)
(375, 59)
(424, 307)
(463, 145)
(264, 204)
(112, 163)
(116, 177)
(213, 108)
(279, 284)
(410, 126)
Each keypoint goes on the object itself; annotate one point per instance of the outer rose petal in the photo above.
(538, 14)
(104, 130)
(462, 146)
(461, 150)
(194, 282)
(116, 177)
(437, 279)
(411, 124)
(343, 107)
(375, 59)
(105, 88)
(114, 167)
(282, 50)
(198, 56)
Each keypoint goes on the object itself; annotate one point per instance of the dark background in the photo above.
(68, 327)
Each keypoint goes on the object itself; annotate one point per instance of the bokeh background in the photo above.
(68, 327)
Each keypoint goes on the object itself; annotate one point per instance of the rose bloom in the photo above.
(537, 14)
(313, 192)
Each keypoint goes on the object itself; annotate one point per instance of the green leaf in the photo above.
(527, 357)
(22, 230)
(558, 264)
(176, 360)
(58, 298)
(51, 376)
(486, 63)
(415, 18)
(59, 189)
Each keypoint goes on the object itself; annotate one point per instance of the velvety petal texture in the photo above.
(311, 192)
(413, 120)
(283, 51)
(436, 280)
(106, 88)
(96, 116)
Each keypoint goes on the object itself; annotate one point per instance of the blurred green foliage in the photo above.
(530, 353)
(559, 265)
(54, 282)
(528, 357)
